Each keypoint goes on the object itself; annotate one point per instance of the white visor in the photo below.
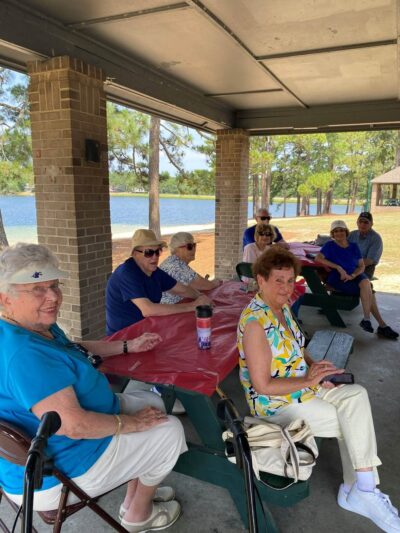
(35, 274)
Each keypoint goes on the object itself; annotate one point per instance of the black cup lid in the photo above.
(203, 311)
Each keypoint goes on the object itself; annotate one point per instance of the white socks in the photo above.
(366, 481)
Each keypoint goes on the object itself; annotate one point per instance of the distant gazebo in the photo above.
(384, 194)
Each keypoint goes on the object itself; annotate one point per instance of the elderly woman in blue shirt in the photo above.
(347, 275)
(105, 439)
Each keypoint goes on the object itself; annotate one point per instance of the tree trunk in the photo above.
(284, 191)
(266, 199)
(353, 197)
(319, 201)
(348, 199)
(255, 194)
(154, 176)
(303, 208)
(264, 195)
(3, 236)
(328, 202)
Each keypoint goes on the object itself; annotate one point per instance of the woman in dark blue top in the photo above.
(347, 275)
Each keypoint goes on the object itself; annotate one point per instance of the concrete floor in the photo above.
(209, 509)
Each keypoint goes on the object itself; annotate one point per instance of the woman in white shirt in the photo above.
(264, 238)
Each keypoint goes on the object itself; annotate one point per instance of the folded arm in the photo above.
(77, 423)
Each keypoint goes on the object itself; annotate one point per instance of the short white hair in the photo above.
(21, 256)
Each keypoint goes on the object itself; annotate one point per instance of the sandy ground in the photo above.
(204, 262)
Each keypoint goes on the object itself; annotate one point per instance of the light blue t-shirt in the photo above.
(31, 369)
(371, 245)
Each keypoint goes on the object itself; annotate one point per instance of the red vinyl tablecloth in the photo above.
(177, 360)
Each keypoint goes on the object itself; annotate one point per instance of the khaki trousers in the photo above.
(345, 413)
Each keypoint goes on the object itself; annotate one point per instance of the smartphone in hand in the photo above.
(340, 379)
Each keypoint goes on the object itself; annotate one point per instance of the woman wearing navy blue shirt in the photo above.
(347, 275)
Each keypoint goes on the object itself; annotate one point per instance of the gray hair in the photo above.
(21, 256)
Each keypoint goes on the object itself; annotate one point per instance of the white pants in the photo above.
(345, 413)
(147, 455)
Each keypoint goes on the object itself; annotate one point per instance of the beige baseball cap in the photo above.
(146, 237)
(36, 273)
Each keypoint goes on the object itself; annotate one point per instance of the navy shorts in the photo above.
(347, 287)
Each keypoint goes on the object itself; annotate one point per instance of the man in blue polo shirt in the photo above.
(262, 216)
(369, 242)
(135, 288)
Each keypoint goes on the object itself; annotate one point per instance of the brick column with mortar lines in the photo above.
(68, 106)
(231, 199)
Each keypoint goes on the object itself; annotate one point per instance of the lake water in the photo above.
(130, 213)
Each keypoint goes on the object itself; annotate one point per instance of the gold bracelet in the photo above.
(118, 421)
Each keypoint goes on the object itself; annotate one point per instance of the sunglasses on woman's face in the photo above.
(264, 234)
(265, 218)
(149, 252)
(189, 246)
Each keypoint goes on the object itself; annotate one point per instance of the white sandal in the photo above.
(162, 516)
(162, 494)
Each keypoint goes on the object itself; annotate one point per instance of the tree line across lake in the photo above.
(322, 166)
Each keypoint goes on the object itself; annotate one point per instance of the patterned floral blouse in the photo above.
(287, 357)
(179, 270)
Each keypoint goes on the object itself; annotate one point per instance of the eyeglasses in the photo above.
(40, 291)
(262, 234)
(189, 246)
(338, 229)
(149, 252)
(265, 218)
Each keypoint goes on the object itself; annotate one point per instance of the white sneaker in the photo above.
(342, 498)
(374, 505)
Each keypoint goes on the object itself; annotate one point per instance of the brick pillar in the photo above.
(231, 195)
(68, 106)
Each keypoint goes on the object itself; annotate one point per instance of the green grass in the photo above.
(386, 224)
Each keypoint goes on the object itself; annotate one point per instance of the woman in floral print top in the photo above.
(282, 383)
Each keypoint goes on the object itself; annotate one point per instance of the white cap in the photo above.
(180, 239)
(338, 224)
(35, 274)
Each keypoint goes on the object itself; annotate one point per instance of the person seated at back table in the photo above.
(369, 242)
(135, 288)
(282, 383)
(183, 251)
(264, 235)
(262, 216)
(347, 276)
(105, 439)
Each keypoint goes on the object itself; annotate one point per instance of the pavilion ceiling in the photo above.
(276, 66)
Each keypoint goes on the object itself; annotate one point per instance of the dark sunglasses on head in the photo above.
(149, 252)
(265, 218)
(189, 246)
(262, 234)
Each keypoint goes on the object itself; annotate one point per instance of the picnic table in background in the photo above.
(319, 296)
